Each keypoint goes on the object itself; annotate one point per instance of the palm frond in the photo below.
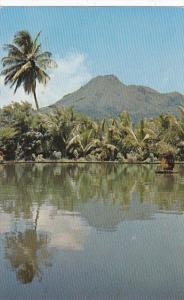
(23, 40)
(46, 63)
(36, 38)
(18, 83)
(25, 64)
(42, 76)
(10, 69)
(12, 60)
(13, 50)
(43, 55)
(22, 70)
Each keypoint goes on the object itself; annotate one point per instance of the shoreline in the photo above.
(12, 162)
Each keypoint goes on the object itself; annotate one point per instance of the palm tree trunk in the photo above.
(37, 217)
(36, 101)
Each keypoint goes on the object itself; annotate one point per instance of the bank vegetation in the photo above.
(63, 134)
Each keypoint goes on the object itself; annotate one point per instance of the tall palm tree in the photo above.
(25, 64)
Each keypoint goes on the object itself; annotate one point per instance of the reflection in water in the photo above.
(103, 194)
(68, 187)
(26, 251)
(67, 230)
(46, 207)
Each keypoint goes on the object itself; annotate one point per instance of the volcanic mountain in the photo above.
(106, 96)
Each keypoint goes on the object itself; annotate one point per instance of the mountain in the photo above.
(107, 96)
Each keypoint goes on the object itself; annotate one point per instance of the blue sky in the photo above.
(139, 45)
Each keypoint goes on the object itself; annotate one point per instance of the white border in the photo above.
(92, 3)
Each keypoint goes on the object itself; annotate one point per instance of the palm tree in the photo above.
(25, 64)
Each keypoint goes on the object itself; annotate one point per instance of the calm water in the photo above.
(91, 232)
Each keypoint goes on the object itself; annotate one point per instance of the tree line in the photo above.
(26, 134)
(62, 133)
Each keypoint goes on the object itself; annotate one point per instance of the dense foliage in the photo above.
(64, 134)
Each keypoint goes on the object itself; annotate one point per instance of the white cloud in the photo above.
(72, 72)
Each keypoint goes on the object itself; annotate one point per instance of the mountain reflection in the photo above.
(57, 205)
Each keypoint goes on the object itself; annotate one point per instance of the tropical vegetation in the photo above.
(32, 135)
(61, 134)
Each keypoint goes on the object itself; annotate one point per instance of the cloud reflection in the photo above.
(67, 230)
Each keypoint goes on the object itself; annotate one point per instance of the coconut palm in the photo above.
(25, 64)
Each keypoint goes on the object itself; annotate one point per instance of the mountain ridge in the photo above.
(106, 96)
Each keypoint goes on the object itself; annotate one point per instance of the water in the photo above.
(91, 232)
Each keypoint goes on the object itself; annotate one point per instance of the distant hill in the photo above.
(107, 96)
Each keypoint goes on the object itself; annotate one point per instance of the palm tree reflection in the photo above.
(26, 252)
(104, 195)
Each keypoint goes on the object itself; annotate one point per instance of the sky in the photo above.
(143, 46)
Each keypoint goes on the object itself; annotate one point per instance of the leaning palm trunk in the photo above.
(36, 101)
